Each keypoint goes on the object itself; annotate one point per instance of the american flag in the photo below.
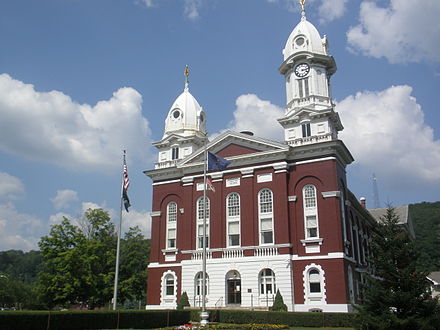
(125, 185)
(209, 185)
(126, 180)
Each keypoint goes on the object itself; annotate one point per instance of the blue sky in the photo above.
(82, 80)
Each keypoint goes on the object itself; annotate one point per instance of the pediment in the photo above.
(233, 146)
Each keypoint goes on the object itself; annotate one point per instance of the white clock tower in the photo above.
(185, 129)
(307, 68)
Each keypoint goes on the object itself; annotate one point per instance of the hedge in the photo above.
(82, 320)
(293, 319)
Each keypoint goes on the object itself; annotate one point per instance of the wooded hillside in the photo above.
(426, 221)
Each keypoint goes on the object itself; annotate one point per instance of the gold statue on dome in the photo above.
(302, 2)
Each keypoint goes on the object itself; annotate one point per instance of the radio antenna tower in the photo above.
(375, 193)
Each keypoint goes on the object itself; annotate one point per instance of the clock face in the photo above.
(302, 70)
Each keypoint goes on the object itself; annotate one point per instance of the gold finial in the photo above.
(186, 74)
(303, 12)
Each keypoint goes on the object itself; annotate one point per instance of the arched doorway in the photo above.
(233, 288)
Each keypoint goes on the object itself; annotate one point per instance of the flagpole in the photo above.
(118, 246)
(204, 315)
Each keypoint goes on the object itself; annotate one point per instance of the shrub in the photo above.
(278, 304)
(183, 301)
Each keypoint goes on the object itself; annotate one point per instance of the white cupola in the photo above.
(307, 67)
(185, 128)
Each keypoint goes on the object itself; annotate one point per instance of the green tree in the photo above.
(397, 295)
(278, 304)
(183, 301)
(426, 220)
(135, 251)
(79, 261)
(21, 266)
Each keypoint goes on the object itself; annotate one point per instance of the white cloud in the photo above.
(18, 230)
(140, 219)
(55, 219)
(63, 198)
(386, 133)
(11, 187)
(330, 10)
(405, 31)
(191, 9)
(258, 116)
(49, 126)
(147, 3)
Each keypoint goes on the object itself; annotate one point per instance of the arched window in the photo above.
(198, 286)
(171, 225)
(314, 284)
(267, 281)
(265, 213)
(169, 289)
(201, 207)
(310, 212)
(314, 281)
(233, 219)
(169, 285)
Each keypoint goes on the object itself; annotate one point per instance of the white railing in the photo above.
(168, 163)
(266, 251)
(238, 252)
(232, 253)
(310, 139)
(198, 255)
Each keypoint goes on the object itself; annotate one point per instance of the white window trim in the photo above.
(198, 283)
(310, 211)
(168, 300)
(230, 219)
(262, 216)
(312, 298)
(199, 222)
(171, 225)
(263, 280)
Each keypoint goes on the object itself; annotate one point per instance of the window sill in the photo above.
(314, 240)
(170, 250)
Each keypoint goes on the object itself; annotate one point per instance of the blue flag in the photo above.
(216, 162)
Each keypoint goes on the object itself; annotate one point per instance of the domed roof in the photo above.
(305, 38)
(185, 117)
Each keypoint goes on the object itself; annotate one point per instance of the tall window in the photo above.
(306, 130)
(265, 212)
(267, 281)
(303, 87)
(314, 284)
(198, 283)
(310, 212)
(201, 206)
(171, 225)
(233, 219)
(169, 285)
(314, 281)
(175, 153)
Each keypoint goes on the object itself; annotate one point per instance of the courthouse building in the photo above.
(281, 216)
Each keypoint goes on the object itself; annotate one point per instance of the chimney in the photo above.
(364, 202)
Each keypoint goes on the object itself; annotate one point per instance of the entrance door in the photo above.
(234, 291)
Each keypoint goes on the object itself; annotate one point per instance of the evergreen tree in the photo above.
(278, 304)
(396, 295)
(183, 301)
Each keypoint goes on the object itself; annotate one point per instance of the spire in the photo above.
(303, 12)
(186, 74)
